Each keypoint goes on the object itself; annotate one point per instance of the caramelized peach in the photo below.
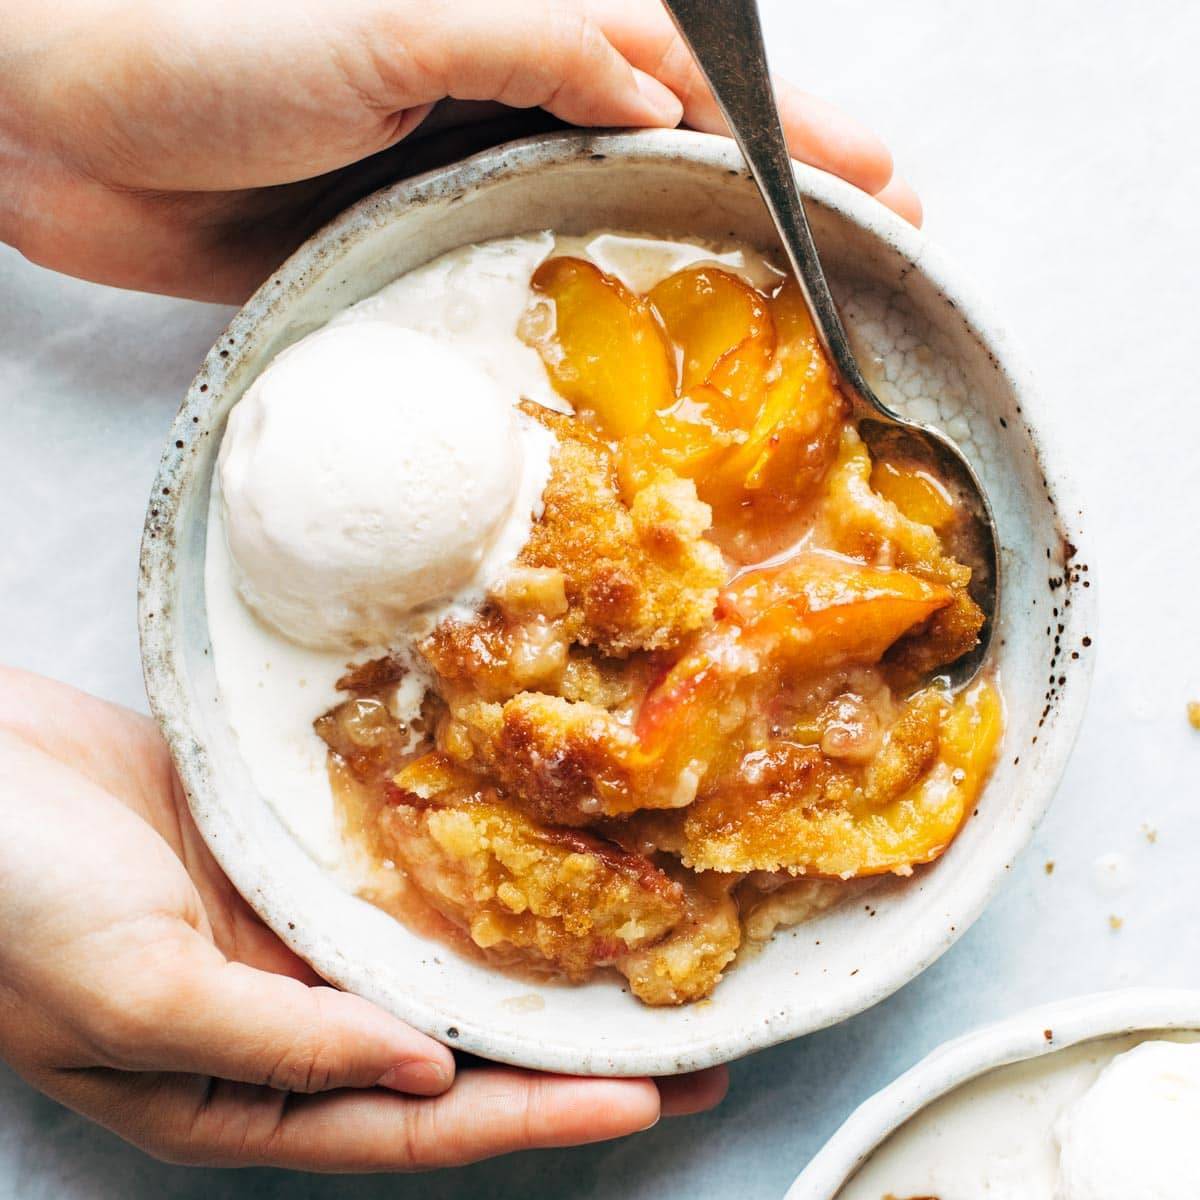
(819, 611)
(855, 519)
(688, 446)
(813, 614)
(756, 419)
(917, 825)
(789, 439)
(796, 811)
(915, 492)
(794, 436)
(603, 346)
(725, 336)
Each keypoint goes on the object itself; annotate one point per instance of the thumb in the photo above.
(208, 1016)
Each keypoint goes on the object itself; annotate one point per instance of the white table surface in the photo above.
(1055, 146)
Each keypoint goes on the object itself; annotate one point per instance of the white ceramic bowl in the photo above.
(841, 963)
(1029, 1035)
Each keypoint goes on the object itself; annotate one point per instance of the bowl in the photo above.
(670, 183)
(1029, 1035)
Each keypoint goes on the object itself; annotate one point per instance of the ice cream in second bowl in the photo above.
(1114, 1119)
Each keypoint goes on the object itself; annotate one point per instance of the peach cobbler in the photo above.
(705, 699)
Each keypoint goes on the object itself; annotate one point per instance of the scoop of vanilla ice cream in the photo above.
(370, 472)
(1133, 1134)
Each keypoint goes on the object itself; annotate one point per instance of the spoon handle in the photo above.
(725, 37)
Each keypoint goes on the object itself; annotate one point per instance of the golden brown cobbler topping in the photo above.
(638, 575)
(576, 900)
(704, 700)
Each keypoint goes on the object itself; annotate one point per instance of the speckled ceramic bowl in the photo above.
(1029, 1035)
(842, 962)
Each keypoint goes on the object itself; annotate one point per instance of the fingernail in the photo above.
(417, 1078)
(663, 104)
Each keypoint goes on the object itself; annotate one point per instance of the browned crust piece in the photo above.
(639, 576)
(793, 806)
(688, 963)
(949, 634)
(519, 889)
(372, 676)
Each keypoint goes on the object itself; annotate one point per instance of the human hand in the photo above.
(137, 987)
(187, 147)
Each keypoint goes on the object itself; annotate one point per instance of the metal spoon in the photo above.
(725, 37)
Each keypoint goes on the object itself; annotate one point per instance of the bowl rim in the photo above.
(1027, 1035)
(163, 653)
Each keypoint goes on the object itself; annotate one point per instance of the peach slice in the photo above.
(917, 826)
(794, 436)
(686, 441)
(819, 611)
(603, 347)
(852, 518)
(725, 336)
(680, 691)
(812, 613)
(801, 813)
(919, 496)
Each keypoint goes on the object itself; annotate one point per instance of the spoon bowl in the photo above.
(726, 41)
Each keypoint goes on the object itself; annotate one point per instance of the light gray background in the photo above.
(1055, 146)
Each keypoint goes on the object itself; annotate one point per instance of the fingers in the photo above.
(901, 199)
(683, 1095)
(190, 1010)
(489, 1111)
(530, 54)
(821, 135)
(817, 132)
